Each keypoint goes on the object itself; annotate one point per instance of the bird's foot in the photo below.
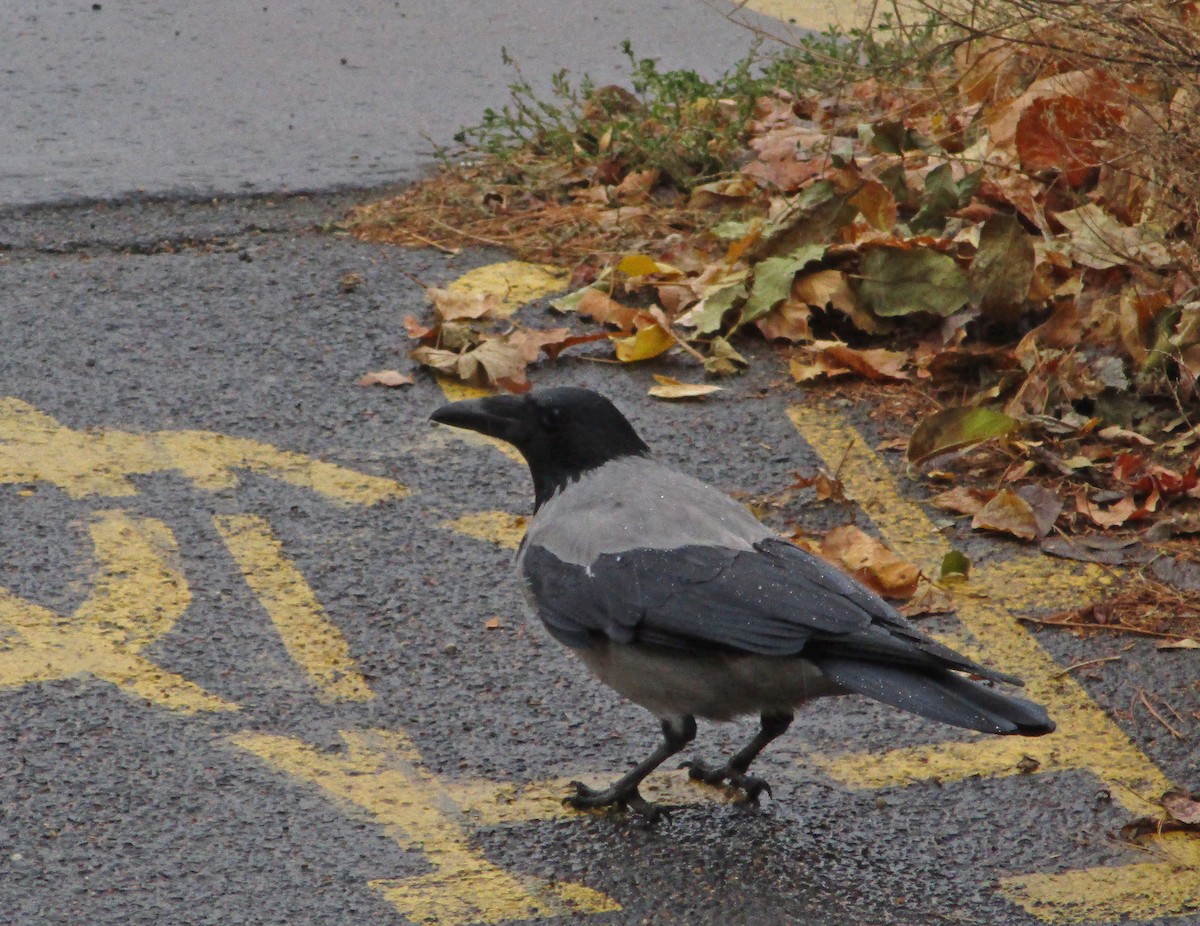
(586, 798)
(751, 785)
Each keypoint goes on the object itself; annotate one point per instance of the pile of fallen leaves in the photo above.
(995, 244)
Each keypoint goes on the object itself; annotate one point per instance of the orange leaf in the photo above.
(869, 561)
(606, 310)
(1065, 133)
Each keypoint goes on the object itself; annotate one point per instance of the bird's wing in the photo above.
(772, 599)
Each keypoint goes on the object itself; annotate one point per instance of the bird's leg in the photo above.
(677, 733)
(734, 771)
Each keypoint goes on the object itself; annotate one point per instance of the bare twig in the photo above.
(1156, 715)
(1111, 628)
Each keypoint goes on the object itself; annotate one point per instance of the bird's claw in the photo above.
(586, 798)
(751, 785)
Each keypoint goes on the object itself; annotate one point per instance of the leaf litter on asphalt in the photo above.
(996, 252)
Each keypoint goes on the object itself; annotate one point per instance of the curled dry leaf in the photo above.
(454, 305)
(833, 358)
(1185, 643)
(1045, 504)
(1182, 806)
(828, 488)
(962, 500)
(1127, 509)
(670, 388)
(392, 378)
(869, 561)
(648, 341)
(1009, 513)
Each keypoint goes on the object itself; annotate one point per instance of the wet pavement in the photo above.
(247, 675)
(99, 100)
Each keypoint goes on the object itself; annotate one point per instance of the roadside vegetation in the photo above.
(981, 218)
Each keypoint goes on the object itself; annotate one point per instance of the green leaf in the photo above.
(955, 428)
(707, 316)
(1002, 269)
(900, 282)
(723, 360)
(955, 564)
(570, 301)
(941, 196)
(773, 280)
(813, 217)
(734, 230)
(968, 186)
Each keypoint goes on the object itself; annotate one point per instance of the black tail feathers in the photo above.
(939, 695)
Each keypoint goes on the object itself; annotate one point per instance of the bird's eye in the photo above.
(551, 418)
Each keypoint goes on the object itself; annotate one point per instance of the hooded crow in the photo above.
(674, 595)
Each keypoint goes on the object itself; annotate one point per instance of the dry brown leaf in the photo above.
(869, 561)
(392, 378)
(828, 488)
(1045, 504)
(672, 389)
(961, 499)
(1009, 513)
(453, 305)
(1182, 806)
(875, 363)
(1065, 134)
(1115, 515)
(788, 321)
(1185, 643)
(635, 189)
(603, 308)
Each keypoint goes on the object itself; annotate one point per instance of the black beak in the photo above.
(502, 416)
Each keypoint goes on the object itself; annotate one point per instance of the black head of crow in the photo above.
(677, 597)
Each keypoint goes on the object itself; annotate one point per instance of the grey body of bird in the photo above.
(675, 596)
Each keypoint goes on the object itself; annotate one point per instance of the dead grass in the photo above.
(542, 216)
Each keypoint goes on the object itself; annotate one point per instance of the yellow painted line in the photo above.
(487, 803)
(819, 15)
(499, 527)
(1086, 738)
(515, 282)
(310, 638)
(381, 773)
(35, 447)
(211, 460)
(1145, 891)
(138, 594)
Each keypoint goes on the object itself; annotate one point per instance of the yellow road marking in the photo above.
(819, 15)
(1141, 892)
(487, 803)
(498, 527)
(1087, 738)
(137, 596)
(35, 447)
(310, 638)
(381, 773)
(515, 282)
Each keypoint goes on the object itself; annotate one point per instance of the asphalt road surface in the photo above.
(262, 660)
(98, 100)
